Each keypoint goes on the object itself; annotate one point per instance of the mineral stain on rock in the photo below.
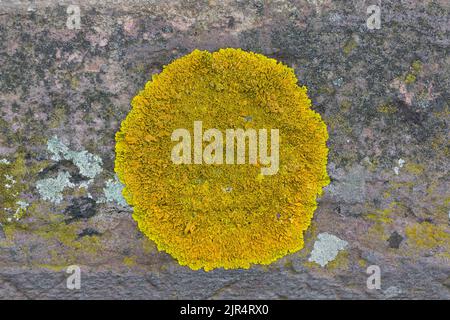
(63, 165)
(88, 232)
(394, 240)
(81, 208)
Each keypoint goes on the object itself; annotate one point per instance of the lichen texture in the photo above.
(230, 216)
(326, 248)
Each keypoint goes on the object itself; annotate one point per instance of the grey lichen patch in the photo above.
(400, 162)
(90, 165)
(51, 189)
(392, 292)
(10, 181)
(326, 248)
(113, 192)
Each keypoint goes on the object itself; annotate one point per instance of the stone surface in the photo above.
(383, 94)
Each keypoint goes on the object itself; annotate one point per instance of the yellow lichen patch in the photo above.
(212, 216)
(428, 236)
(129, 261)
(410, 78)
(345, 106)
(341, 262)
(416, 68)
(63, 244)
(382, 216)
(362, 263)
(350, 46)
(414, 168)
(387, 108)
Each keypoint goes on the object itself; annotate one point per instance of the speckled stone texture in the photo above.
(383, 94)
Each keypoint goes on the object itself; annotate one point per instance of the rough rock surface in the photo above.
(383, 94)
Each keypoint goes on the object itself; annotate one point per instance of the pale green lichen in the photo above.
(51, 189)
(400, 162)
(113, 192)
(12, 175)
(88, 164)
(20, 211)
(326, 248)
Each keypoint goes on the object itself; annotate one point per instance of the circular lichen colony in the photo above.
(222, 215)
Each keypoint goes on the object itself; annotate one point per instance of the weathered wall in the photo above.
(383, 94)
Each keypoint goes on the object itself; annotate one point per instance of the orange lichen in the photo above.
(212, 216)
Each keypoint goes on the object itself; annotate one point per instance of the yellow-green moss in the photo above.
(184, 209)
